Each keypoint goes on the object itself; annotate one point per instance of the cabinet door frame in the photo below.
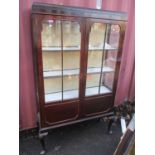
(102, 97)
(38, 67)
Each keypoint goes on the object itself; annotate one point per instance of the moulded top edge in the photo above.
(45, 8)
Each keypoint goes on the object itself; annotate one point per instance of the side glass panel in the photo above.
(71, 59)
(61, 42)
(102, 54)
(110, 59)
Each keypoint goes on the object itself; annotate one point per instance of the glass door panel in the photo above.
(71, 59)
(61, 42)
(102, 50)
(95, 53)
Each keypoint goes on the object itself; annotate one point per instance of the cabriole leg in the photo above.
(42, 141)
(109, 126)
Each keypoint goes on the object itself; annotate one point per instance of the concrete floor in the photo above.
(87, 138)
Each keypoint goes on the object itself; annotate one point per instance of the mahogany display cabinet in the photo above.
(77, 56)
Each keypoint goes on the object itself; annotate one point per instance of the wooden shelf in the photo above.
(75, 93)
(48, 74)
(77, 48)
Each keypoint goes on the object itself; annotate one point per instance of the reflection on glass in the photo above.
(113, 36)
(71, 59)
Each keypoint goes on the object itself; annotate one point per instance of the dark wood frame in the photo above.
(83, 105)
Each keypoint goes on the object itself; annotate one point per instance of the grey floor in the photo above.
(87, 138)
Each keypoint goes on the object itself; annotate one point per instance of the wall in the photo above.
(126, 83)
(28, 108)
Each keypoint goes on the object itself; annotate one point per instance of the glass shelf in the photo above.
(58, 95)
(77, 48)
(74, 94)
(76, 72)
(95, 90)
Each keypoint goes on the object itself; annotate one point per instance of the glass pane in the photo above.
(95, 54)
(53, 89)
(92, 84)
(110, 58)
(71, 59)
(113, 36)
(52, 60)
(51, 34)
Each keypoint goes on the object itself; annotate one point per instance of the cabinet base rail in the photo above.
(108, 115)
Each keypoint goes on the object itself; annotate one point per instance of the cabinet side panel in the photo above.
(36, 28)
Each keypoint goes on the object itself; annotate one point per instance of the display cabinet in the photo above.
(77, 56)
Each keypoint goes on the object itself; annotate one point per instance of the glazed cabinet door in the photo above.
(58, 50)
(102, 55)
